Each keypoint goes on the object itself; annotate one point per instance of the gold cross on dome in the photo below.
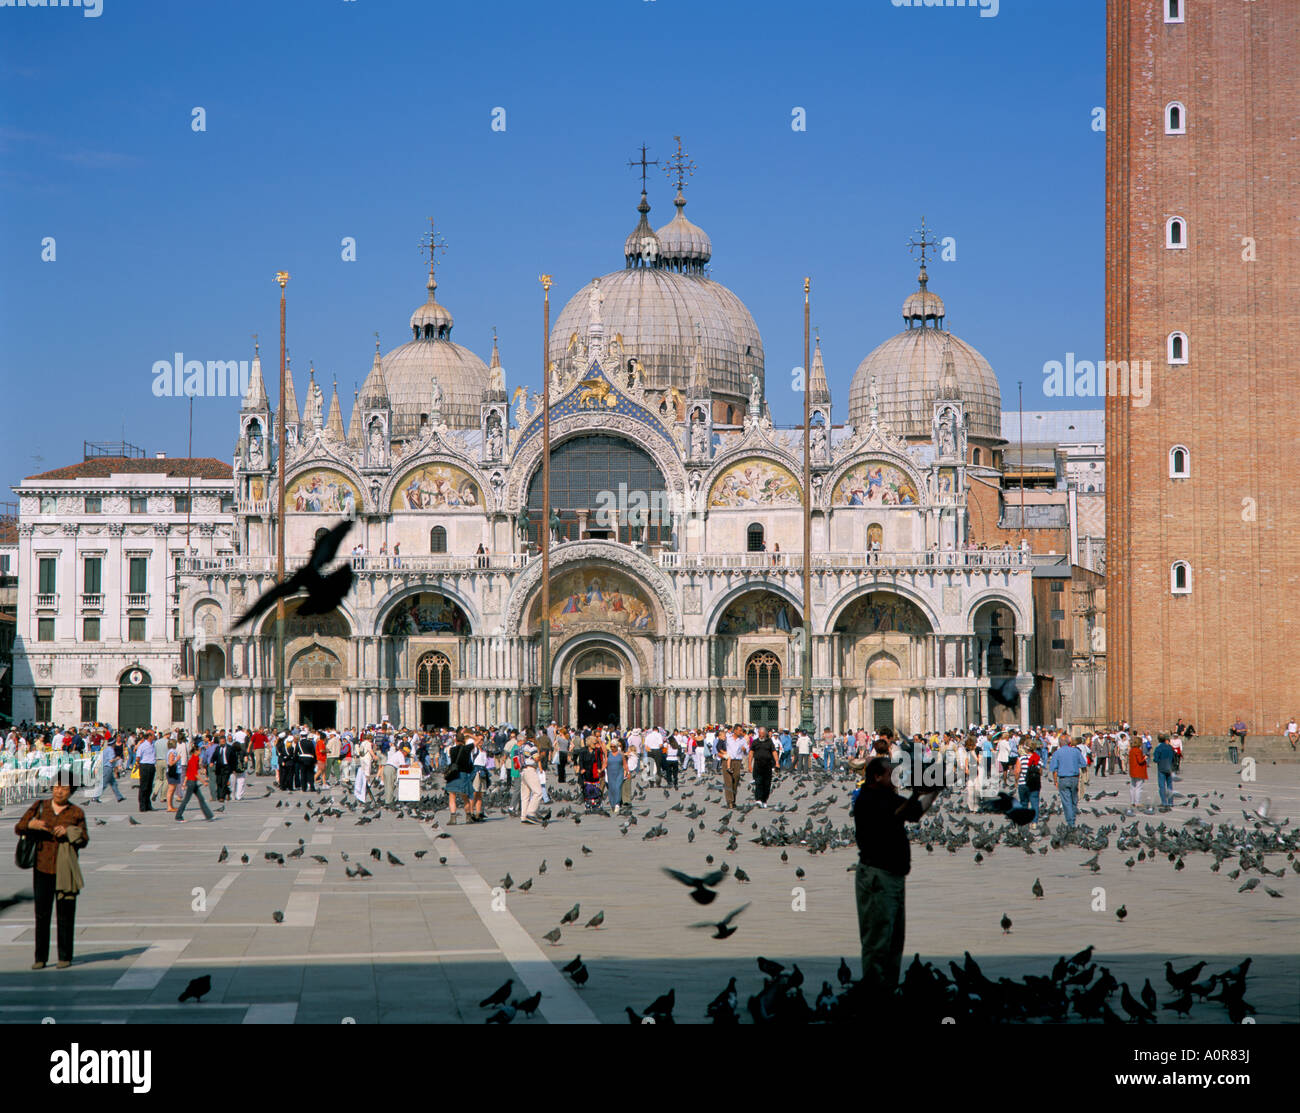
(680, 165)
(922, 244)
(431, 245)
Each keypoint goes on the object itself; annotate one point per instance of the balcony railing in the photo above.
(137, 602)
(947, 559)
(257, 507)
(372, 564)
(47, 601)
(92, 601)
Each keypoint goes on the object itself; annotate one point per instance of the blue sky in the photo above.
(363, 118)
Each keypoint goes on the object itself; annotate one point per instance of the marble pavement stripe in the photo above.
(272, 1013)
(560, 1001)
(343, 956)
(218, 889)
(310, 875)
(300, 911)
(9, 933)
(146, 848)
(322, 838)
(148, 970)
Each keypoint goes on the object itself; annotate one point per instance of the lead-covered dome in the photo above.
(410, 370)
(660, 303)
(907, 367)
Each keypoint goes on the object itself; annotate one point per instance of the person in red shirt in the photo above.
(192, 774)
(259, 747)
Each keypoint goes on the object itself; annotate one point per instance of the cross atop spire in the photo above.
(432, 244)
(922, 244)
(644, 163)
(680, 165)
(256, 348)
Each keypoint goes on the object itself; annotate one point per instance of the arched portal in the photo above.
(994, 623)
(314, 677)
(209, 713)
(883, 637)
(134, 695)
(763, 688)
(596, 677)
(602, 487)
(433, 689)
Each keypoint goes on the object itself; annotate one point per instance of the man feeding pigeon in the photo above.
(884, 861)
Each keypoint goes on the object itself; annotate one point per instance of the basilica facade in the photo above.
(676, 526)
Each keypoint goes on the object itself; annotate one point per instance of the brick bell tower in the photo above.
(1203, 280)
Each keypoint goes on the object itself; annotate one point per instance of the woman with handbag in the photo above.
(50, 834)
(173, 773)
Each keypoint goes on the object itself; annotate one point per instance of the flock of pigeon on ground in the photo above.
(1078, 987)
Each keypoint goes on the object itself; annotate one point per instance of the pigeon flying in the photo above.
(324, 593)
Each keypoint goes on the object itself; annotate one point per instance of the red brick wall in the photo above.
(1229, 647)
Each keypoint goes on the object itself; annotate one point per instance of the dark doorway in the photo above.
(319, 714)
(882, 711)
(597, 703)
(133, 706)
(763, 713)
(435, 713)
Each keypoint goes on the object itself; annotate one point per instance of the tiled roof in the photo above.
(101, 467)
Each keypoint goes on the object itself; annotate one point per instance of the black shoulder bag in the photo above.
(25, 851)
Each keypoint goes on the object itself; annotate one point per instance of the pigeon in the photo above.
(723, 929)
(662, 1006)
(571, 916)
(1182, 981)
(420, 853)
(529, 1004)
(507, 883)
(568, 863)
(1272, 892)
(277, 916)
(1133, 1006)
(1183, 1005)
(321, 859)
(499, 996)
(376, 854)
(1037, 889)
(133, 821)
(1148, 995)
(723, 1006)
(1249, 886)
(197, 988)
(1006, 924)
(742, 876)
(701, 887)
(572, 965)
(1082, 958)
(393, 859)
(223, 855)
(542, 868)
(324, 593)
(526, 885)
(580, 976)
(552, 937)
(296, 852)
(844, 974)
(585, 851)
(799, 873)
(244, 858)
(596, 920)
(1120, 913)
(770, 968)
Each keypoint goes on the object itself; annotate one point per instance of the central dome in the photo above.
(660, 303)
(907, 366)
(411, 370)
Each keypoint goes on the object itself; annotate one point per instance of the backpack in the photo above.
(1033, 778)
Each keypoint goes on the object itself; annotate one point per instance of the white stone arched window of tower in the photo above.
(754, 538)
(1175, 118)
(1180, 462)
(1176, 348)
(1175, 11)
(1176, 233)
(438, 540)
(1180, 578)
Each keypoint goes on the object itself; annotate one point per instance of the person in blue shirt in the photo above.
(1066, 765)
(787, 749)
(1163, 757)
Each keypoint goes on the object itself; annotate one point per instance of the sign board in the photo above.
(408, 784)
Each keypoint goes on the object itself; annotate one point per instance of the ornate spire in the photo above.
(374, 391)
(700, 388)
(683, 246)
(255, 399)
(432, 321)
(496, 388)
(312, 413)
(354, 421)
(948, 387)
(641, 248)
(821, 391)
(290, 400)
(334, 426)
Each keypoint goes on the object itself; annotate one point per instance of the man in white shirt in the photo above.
(396, 760)
(803, 748)
(654, 748)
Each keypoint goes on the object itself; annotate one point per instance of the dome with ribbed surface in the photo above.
(683, 245)
(408, 373)
(659, 312)
(908, 368)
